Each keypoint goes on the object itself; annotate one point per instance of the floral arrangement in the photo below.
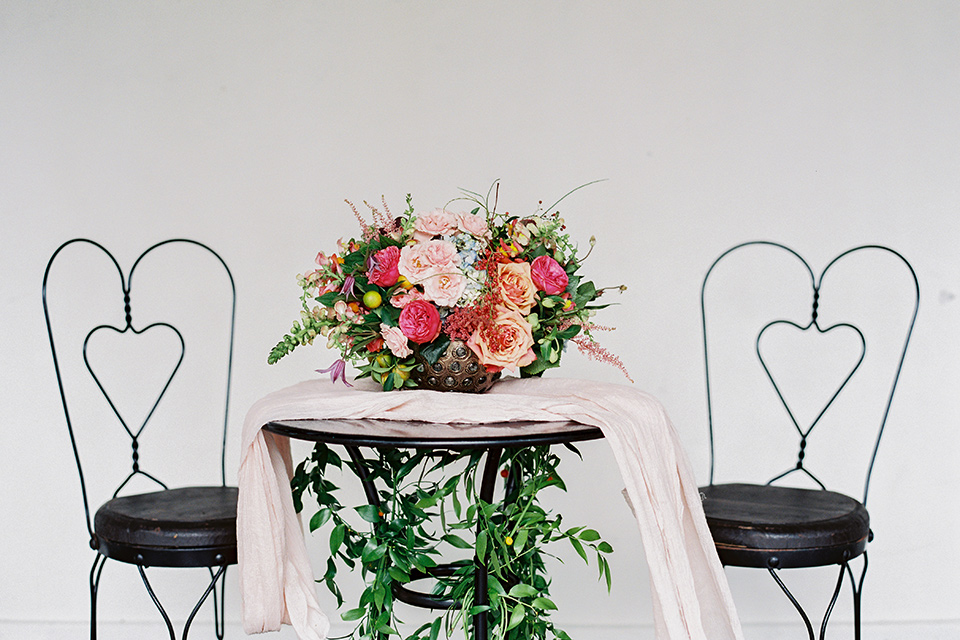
(507, 286)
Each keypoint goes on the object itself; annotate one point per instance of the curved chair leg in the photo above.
(803, 614)
(796, 604)
(219, 603)
(95, 572)
(833, 601)
(857, 590)
(156, 601)
(211, 587)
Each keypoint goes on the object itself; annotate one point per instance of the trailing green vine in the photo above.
(429, 507)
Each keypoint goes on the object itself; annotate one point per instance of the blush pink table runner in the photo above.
(691, 599)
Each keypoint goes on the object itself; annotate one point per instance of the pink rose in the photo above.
(508, 344)
(516, 287)
(434, 223)
(384, 271)
(403, 297)
(420, 321)
(395, 341)
(445, 288)
(474, 224)
(421, 260)
(549, 276)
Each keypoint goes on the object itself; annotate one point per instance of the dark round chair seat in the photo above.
(783, 527)
(187, 527)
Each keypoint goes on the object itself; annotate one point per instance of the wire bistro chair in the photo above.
(180, 527)
(779, 527)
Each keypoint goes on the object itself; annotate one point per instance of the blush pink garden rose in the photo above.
(445, 288)
(403, 297)
(474, 224)
(548, 275)
(395, 341)
(384, 272)
(516, 286)
(420, 321)
(421, 260)
(508, 345)
(438, 222)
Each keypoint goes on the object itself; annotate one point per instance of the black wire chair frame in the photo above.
(773, 563)
(215, 560)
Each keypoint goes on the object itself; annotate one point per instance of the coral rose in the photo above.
(516, 286)
(508, 344)
(548, 275)
(384, 271)
(420, 321)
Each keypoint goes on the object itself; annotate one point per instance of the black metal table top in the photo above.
(431, 435)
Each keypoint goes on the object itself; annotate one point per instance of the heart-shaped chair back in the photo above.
(159, 346)
(812, 345)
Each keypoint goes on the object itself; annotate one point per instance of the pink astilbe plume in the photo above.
(592, 349)
(369, 232)
(379, 219)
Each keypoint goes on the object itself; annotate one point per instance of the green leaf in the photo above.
(336, 538)
(353, 614)
(520, 540)
(431, 352)
(589, 535)
(570, 332)
(435, 629)
(369, 512)
(319, 519)
(579, 548)
(475, 610)
(604, 547)
(544, 603)
(516, 617)
(399, 562)
(428, 502)
(457, 541)
(522, 591)
(328, 299)
(482, 545)
(398, 575)
(372, 551)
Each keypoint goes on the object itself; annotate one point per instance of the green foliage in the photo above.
(429, 505)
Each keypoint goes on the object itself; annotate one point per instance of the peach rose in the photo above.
(445, 288)
(507, 345)
(516, 286)
(438, 222)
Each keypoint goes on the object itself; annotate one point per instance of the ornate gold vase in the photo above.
(457, 369)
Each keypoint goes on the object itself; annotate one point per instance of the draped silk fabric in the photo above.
(691, 598)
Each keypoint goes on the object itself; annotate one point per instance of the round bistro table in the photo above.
(492, 438)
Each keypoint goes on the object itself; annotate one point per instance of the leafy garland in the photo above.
(400, 539)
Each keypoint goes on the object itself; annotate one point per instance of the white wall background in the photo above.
(245, 124)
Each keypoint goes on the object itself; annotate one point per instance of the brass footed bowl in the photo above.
(457, 369)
